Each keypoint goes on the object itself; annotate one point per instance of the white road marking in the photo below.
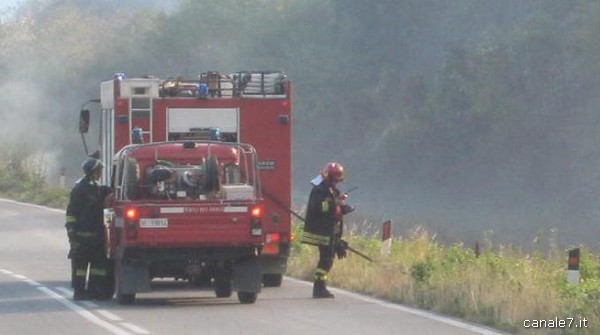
(84, 312)
(114, 329)
(410, 310)
(109, 315)
(32, 282)
(134, 328)
(65, 291)
(89, 304)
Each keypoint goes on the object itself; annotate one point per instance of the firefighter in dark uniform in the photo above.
(85, 229)
(324, 224)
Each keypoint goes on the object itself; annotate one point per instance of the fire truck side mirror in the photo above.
(84, 121)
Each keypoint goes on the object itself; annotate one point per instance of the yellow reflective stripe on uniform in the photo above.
(325, 206)
(71, 218)
(85, 234)
(97, 272)
(310, 238)
(321, 274)
(81, 272)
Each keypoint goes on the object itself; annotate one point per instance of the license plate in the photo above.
(154, 223)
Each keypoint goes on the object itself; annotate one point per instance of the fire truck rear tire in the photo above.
(247, 297)
(272, 279)
(222, 284)
(223, 288)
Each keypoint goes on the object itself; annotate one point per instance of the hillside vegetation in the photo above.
(465, 116)
(501, 287)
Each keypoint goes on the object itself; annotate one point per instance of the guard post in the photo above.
(386, 238)
(573, 274)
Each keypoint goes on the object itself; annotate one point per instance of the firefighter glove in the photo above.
(73, 249)
(340, 249)
(72, 235)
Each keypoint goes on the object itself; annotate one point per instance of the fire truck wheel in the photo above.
(122, 298)
(272, 279)
(223, 288)
(247, 297)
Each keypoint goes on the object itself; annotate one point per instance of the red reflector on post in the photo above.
(386, 230)
(573, 263)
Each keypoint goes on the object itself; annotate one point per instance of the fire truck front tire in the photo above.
(222, 284)
(247, 297)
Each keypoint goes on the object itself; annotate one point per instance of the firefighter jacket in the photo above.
(323, 216)
(85, 210)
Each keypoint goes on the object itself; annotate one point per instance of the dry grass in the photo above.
(500, 288)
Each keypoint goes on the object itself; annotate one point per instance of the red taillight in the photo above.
(131, 213)
(257, 212)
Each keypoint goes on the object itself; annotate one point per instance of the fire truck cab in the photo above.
(238, 125)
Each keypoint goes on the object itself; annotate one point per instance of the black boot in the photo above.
(79, 291)
(320, 290)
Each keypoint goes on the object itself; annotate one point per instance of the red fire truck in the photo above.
(155, 123)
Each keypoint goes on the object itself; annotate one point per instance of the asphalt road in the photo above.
(35, 298)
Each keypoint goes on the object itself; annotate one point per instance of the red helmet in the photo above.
(333, 172)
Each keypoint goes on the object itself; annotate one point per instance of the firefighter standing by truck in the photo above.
(85, 230)
(324, 224)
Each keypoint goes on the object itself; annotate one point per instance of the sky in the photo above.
(6, 5)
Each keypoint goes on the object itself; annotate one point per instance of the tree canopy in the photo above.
(462, 115)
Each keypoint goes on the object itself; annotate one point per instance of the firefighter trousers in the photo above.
(326, 257)
(91, 274)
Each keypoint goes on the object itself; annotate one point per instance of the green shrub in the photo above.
(501, 287)
(22, 178)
